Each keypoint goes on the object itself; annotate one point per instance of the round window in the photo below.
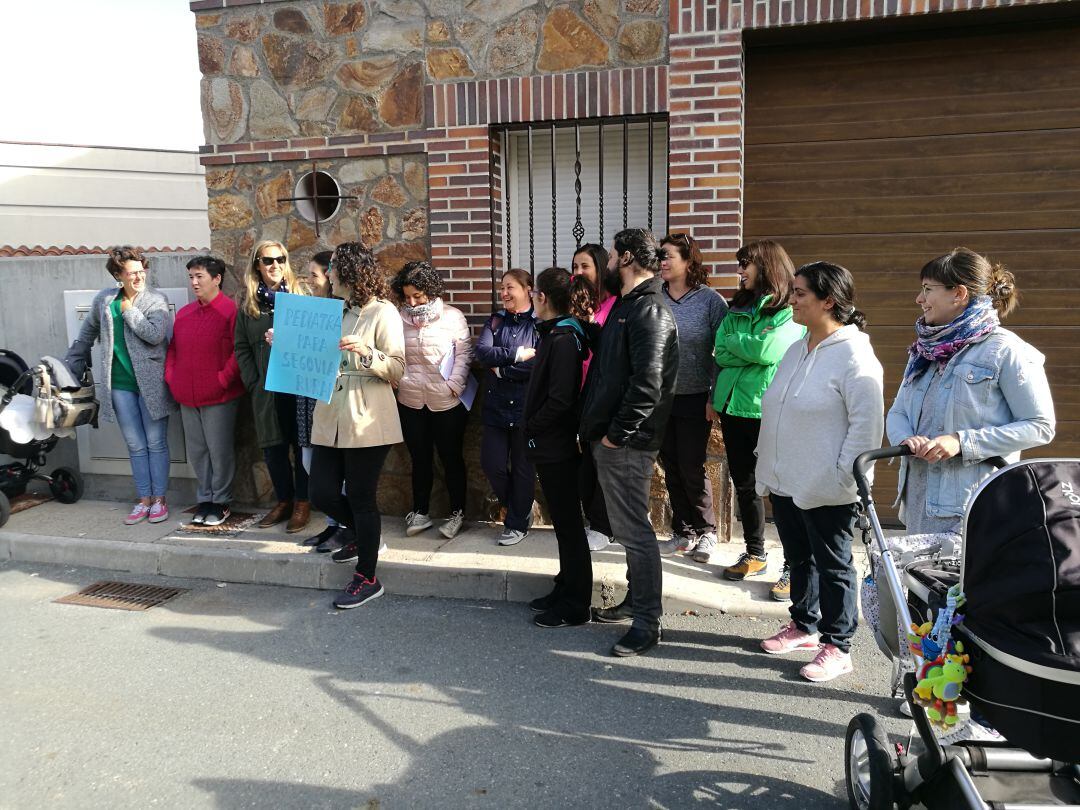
(318, 196)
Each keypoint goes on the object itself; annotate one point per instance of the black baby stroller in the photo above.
(1019, 571)
(59, 404)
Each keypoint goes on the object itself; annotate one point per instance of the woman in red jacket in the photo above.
(202, 374)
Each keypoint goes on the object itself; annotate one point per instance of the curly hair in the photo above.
(696, 274)
(642, 247)
(358, 271)
(122, 254)
(420, 275)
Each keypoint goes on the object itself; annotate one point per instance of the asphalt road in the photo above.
(264, 697)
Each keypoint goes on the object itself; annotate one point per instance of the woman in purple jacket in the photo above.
(506, 346)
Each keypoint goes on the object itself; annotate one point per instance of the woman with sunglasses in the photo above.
(751, 340)
(698, 311)
(972, 390)
(269, 273)
(132, 321)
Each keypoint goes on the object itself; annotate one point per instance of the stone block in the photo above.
(569, 43)
(604, 16)
(270, 116)
(448, 63)
(402, 103)
(513, 45)
(641, 41)
(243, 62)
(229, 211)
(343, 18)
(224, 109)
(291, 20)
(366, 75)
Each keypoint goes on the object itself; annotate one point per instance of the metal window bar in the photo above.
(645, 141)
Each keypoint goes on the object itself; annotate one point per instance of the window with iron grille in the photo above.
(580, 181)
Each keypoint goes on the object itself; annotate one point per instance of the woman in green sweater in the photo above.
(749, 344)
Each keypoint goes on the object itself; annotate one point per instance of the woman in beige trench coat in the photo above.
(352, 434)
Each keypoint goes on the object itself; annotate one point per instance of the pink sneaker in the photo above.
(789, 639)
(159, 511)
(139, 513)
(829, 663)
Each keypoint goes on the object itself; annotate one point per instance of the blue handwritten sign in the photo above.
(304, 356)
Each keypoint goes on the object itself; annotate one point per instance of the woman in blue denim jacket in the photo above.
(972, 390)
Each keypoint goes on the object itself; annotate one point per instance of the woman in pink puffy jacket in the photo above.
(438, 351)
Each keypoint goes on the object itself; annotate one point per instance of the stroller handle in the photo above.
(866, 460)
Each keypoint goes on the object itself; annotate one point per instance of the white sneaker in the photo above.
(383, 548)
(705, 548)
(597, 541)
(452, 526)
(511, 537)
(416, 523)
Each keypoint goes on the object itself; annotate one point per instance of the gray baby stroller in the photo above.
(50, 404)
(1019, 572)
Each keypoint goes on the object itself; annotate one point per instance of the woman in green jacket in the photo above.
(749, 344)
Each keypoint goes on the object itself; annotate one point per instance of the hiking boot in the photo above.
(358, 592)
(636, 642)
(781, 591)
(159, 512)
(139, 512)
(301, 514)
(789, 639)
(829, 663)
(218, 514)
(748, 565)
(511, 537)
(705, 548)
(416, 522)
(453, 524)
(345, 554)
(597, 540)
(280, 512)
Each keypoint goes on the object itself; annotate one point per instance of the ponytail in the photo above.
(1002, 290)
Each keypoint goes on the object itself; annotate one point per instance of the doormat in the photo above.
(121, 596)
(233, 525)
(28, 500)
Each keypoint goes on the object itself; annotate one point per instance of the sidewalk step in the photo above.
(472, 565)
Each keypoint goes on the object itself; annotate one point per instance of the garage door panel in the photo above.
(946, 188)
(943, 206)
(884, 155)
(908, 120)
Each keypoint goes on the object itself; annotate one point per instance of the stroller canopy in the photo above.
(1021, 565)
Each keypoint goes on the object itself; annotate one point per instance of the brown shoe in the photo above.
(747, 566)
(276, 515)
(301, 514)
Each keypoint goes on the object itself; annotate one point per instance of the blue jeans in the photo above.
(147, 441)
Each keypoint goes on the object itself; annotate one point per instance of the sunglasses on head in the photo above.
(269, 261)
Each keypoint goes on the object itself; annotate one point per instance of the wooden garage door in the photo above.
(883, 154)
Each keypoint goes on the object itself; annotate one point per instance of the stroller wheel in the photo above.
(66, 484)
(870, 765)
(5, 508)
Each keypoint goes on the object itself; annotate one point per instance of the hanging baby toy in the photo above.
(945, 669)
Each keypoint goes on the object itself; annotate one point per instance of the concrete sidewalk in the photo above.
(91, 533)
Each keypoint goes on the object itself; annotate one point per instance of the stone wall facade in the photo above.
(427, 81)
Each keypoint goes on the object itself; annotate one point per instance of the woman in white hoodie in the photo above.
(823, 408)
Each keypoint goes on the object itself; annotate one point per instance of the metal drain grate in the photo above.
(121, 596)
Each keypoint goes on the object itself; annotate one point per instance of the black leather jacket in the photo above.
(632, 380)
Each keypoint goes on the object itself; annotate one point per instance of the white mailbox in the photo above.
(103, 450)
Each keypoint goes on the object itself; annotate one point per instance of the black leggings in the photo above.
(288, 476)
(426, 431)
(358, 468)
(740, 441)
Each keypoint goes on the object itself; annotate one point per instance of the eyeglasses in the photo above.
(680, 236)
(926, 289)
(744, 263)
(270, 261)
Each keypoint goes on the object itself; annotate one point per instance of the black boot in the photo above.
(622, 612)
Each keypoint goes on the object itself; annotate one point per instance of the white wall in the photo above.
(75, 195)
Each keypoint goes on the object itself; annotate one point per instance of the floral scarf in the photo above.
(425, 313)
(937, 344)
